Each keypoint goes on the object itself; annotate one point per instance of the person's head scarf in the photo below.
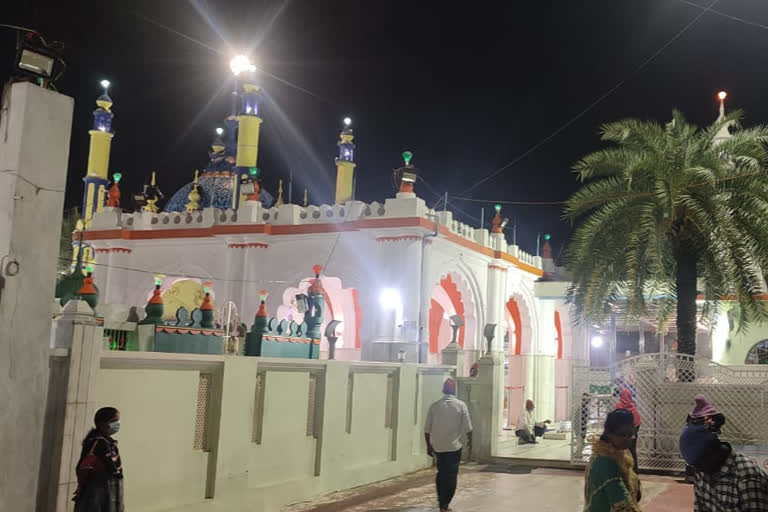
(626, 402)
(704, 407)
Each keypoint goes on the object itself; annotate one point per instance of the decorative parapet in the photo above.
(279, 338)
(251, 213)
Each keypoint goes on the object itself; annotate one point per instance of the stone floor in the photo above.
(544, 449)
(494, 488)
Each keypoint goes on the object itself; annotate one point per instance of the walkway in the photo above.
(494, 488)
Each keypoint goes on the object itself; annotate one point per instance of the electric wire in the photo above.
(592, 105)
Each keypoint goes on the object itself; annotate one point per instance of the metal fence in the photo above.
(663, 386)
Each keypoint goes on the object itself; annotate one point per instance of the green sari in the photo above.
(610, 483)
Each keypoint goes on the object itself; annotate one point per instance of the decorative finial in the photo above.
(104, 101)
(306, 198)
(407, 156)
(113, 195)
(316, 288)
(721, 96)
(347, 122)
(408, 174)
(193, 196)
(262, 303)
(151, 206)
(279, 201)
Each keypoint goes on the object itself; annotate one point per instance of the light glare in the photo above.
(597, 341)
(347, 121)
(389, 298)
(240, 64)
(105, 84)
(722, 95)
(219, 130)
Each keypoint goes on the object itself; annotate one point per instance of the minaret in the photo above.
(724, 133)
(98, 157)
(248, 126)
(345, 164)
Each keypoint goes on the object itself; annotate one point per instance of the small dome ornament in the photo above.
(194, 196)
(113, 195)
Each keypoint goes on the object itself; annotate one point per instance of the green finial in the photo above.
(497, 207)
(546, 236)
(207, 290)
(117, 177)
(407, 156)
(89, 269)
(254, 171)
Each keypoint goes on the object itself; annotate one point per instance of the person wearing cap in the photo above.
(527, 428)
(725, 480)
(447, 422)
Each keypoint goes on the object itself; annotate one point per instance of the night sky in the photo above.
(467, 88)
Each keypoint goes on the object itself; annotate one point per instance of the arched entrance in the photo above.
(758, 354)
(451, 296)
(518, 342)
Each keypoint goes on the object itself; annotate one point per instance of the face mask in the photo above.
(114, 428)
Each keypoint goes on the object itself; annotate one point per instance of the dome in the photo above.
(215, 190)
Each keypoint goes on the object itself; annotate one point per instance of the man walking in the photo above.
(447, 421)
(725, 480)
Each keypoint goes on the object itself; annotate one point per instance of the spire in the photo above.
(152, 196)
(408, 174)
(316, 288)
(345, 164)
(113, 196)
(279, 201)
(194, 196)
(724, 133)
(263, 304)
(496, 222)
(306, 198)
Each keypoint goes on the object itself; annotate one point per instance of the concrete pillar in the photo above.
(453, 355)
(71, 403)
(495, 303)
(425, 298)
(487, 423)
(34, 150)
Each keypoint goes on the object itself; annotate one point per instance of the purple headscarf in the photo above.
(704, 407)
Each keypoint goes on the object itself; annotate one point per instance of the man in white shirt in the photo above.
(447, 422)
(527, 428)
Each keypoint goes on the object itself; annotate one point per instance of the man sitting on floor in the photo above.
(528, 429)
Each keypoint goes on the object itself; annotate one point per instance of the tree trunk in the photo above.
(686, 300)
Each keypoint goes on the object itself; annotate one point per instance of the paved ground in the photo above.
(544, 449)
(494, 488)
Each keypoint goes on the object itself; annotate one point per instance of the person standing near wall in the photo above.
(626, 402)
(447, 422)
(99, 470)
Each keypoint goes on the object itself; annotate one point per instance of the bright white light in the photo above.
(389, 298)
(722, 95)
(240, 64)
(597, 341)
(102, 128)
(347, 121)
(105, 84)
(219, 130)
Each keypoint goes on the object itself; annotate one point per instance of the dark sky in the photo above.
(467, 88)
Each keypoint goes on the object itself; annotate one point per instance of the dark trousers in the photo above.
(526, 437)
(447, 476)
(633, 449)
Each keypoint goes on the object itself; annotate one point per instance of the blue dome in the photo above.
(215, 191)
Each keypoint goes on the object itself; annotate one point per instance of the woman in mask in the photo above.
(99, 472)
(611, 485)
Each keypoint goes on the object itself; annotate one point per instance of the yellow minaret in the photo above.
(96, 180)
(345, 165)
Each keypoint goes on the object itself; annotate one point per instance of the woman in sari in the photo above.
(611, 485)
(99, 471)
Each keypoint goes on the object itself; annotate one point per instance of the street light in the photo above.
(241, 64)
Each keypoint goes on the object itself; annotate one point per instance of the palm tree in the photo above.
(665, 207)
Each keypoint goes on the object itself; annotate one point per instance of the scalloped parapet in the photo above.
(253, 213)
